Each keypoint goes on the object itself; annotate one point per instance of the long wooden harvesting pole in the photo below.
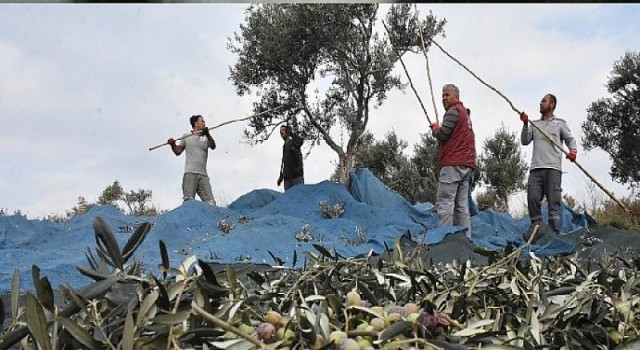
(424, 52)
(217, 126)
(406, 72)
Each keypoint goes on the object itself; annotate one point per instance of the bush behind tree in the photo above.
(413, 177)
(502, 169)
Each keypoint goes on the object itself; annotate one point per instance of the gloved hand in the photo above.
(280, 179)
(434, 126)
(205, 132)
(524, 117)
(171, 141)
(572, 155)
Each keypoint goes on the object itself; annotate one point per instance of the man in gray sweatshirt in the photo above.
(197, 145)
(546, 162)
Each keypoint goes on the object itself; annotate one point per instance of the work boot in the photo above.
(545, 234)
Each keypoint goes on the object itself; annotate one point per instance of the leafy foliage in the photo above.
(613, 123)
(610, 214)
(502, 168)
(225, 226)
(137, 202)
(5, 212)
(291, 54)
(385, 158)
(80, 208)
(330, 211)
(111, 194)
(390, 301)
(425, 160)
(487, 199)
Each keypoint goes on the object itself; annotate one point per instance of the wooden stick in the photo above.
(424, 51)
(609, 193)
(407, 73)
(475, 76)
(217, 126)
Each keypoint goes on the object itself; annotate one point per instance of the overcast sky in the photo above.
(86, 89)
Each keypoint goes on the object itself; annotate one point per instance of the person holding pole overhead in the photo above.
(197, 145)
(457, 160)
(545, 175)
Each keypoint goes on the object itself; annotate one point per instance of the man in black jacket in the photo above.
(291, 169)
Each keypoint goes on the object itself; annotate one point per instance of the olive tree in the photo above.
(321, 68)
(613, 123)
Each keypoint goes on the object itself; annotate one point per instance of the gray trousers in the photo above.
(290, 183)
(452, 203)
(197, 183)
(545, 183)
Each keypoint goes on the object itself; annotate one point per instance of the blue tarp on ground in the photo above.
(263, 222)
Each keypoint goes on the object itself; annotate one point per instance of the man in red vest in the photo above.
(457, 160)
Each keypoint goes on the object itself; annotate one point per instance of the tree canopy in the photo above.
(414, 177)
(384, 158)
(502, 168)
(613, 123)
(321, 67)
(425, 161)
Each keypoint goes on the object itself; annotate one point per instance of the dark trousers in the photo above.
(545, 183)
(292, 182)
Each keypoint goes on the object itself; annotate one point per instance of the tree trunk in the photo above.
(345, 167)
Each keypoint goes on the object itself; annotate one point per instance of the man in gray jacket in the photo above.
(546, 162)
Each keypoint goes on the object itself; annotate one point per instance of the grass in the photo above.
(611, 214)
(606, 211)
